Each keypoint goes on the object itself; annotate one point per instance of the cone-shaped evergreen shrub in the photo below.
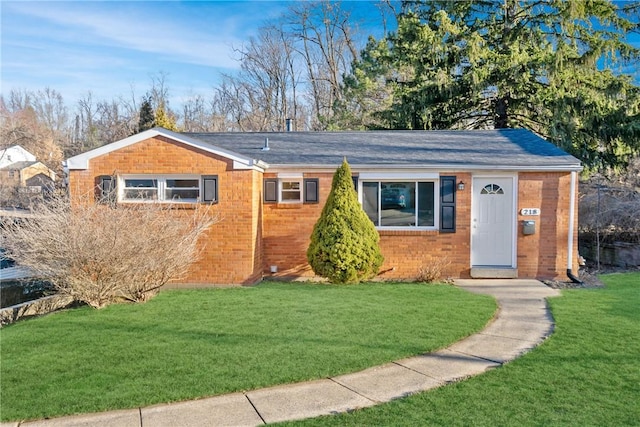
(344, 244)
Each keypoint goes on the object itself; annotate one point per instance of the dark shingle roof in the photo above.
(503, 148)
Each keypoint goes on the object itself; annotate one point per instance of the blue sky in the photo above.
(107, 47)
(110, 47)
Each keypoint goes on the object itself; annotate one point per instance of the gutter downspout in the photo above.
(572, 202)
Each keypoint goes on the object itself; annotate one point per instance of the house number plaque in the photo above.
(530, 211)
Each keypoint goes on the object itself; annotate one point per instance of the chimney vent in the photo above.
(288, 122)
(266, 145)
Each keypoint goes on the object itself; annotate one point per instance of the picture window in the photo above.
(400, 203)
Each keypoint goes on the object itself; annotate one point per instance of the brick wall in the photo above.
(288, 227)
(544, 254)
(231, 250)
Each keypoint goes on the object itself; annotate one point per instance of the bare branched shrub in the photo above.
(610, 207)
(434, 270)
(100, 254)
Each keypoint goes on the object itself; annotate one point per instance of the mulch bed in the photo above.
(588, 276)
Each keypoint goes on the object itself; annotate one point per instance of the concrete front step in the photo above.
(494, 273)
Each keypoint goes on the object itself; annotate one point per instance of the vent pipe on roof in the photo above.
(288, 123)
(266, 145)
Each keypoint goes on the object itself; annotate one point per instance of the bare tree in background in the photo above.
(262, 95)
(327, 44)
(21, 125)
(196, 115)
(294, 64)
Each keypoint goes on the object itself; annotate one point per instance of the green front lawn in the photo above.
(586, 374)
(185, 344)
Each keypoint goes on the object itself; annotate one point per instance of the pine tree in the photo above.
(147, 118)
(561, 68)
(344, 243)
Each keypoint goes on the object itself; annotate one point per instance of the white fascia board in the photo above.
(81, 161)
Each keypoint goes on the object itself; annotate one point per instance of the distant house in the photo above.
(20, 169)
(495, 203)
(15, 154)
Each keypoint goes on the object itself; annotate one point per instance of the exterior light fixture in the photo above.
(461, 186)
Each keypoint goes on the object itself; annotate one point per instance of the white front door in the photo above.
(492, 222)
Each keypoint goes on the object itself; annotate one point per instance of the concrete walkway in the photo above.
(522, 322)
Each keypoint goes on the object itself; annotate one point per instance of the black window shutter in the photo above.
(355, 182)
(107, 189)
(311, 186)
(270, 190)
(447, 204)
(209, 189)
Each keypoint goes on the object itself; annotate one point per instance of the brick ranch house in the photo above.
(495, 203)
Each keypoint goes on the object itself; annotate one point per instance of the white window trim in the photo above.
(282, 180)
(412, 178)
(162, 181)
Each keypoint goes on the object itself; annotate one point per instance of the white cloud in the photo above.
(137, 27)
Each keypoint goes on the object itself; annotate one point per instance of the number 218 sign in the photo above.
(530, 211)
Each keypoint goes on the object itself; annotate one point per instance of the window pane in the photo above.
(290, 185)
(397, 200)
(141, 183)
(182, 183)
(426, 216)
(182, 189)
(181, 194)
(142, 194)
(370, 200)
(291, 195)
(141, 189)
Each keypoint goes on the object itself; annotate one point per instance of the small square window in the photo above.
(290, 191)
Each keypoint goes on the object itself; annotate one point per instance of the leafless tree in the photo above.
(328, 46)
(20, 125)
(196, 116)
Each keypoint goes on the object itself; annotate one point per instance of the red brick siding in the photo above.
(288, 227)
(544, 254)
(287, 231)
(231, 250)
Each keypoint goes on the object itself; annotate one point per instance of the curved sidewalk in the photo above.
(521, 323)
